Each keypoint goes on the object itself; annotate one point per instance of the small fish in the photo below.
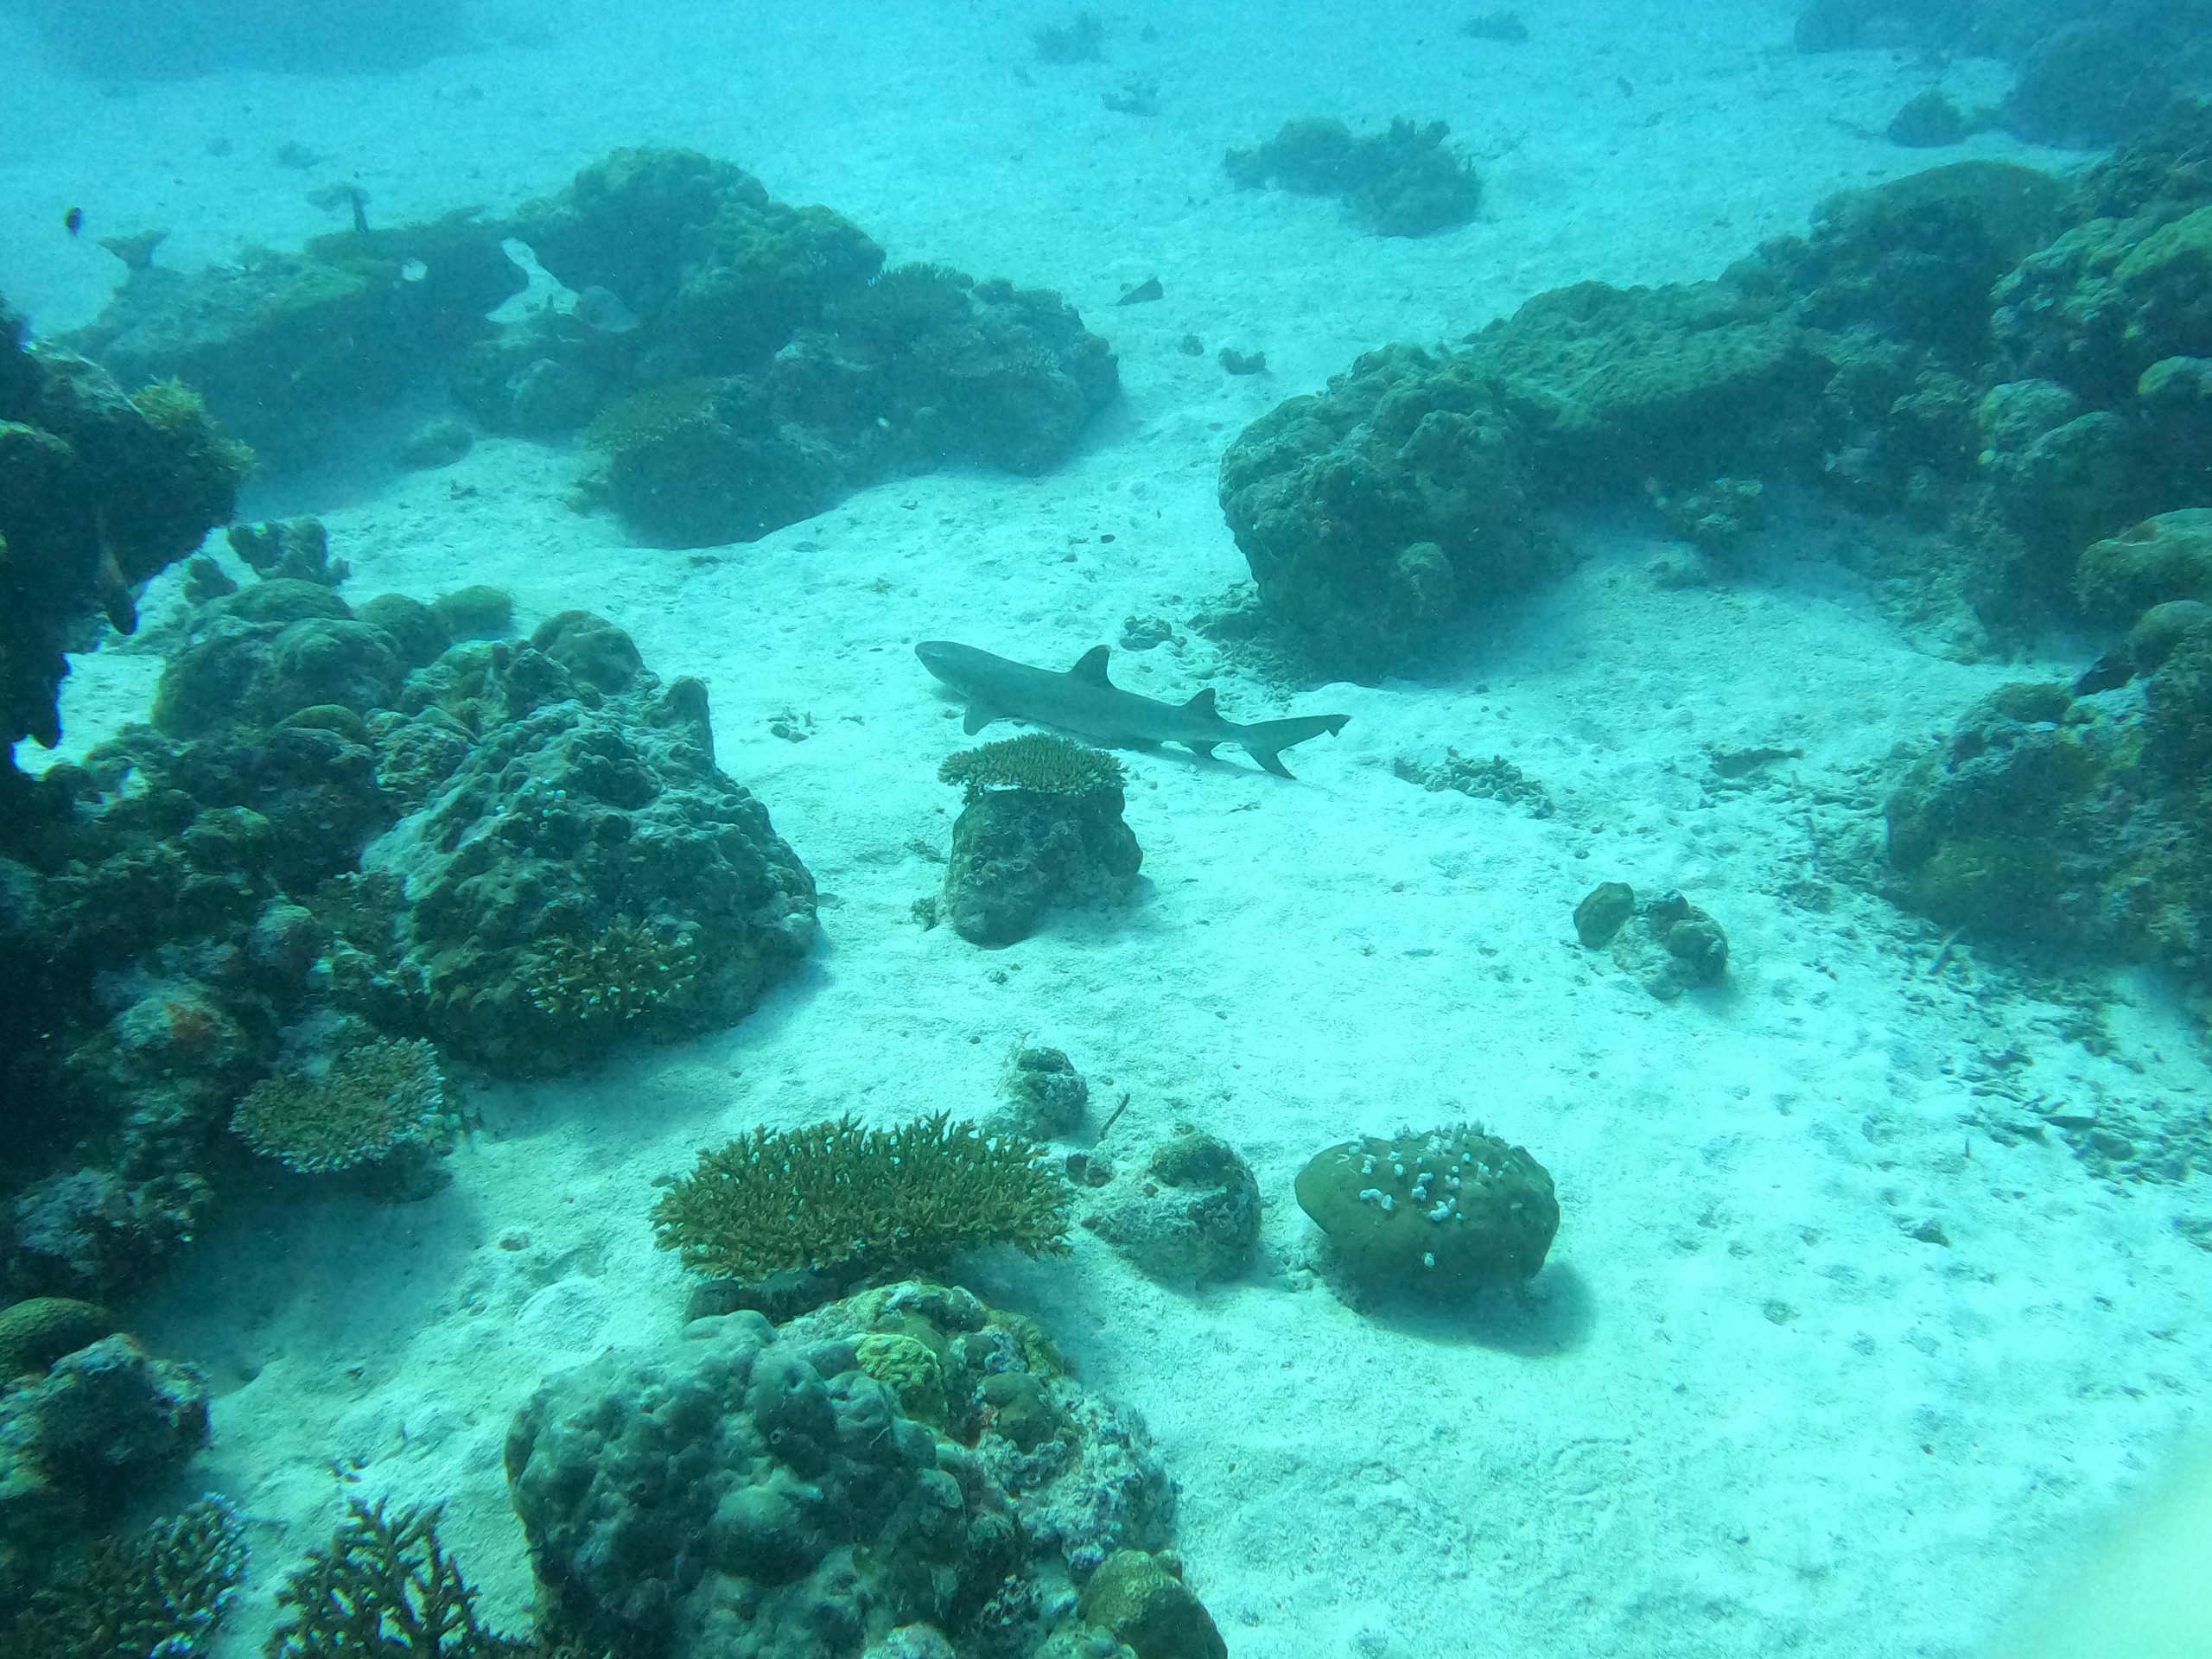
(602, 308)
(73, 221)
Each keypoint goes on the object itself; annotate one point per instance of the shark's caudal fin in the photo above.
(1265, 739)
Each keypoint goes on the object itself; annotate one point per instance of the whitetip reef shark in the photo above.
(1086, 701)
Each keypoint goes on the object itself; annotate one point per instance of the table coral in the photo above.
(838, 1196)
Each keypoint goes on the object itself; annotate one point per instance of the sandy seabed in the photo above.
(1746, 1410)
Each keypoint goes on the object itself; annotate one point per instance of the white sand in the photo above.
(1748, 1414)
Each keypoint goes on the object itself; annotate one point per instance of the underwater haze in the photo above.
(957, 829)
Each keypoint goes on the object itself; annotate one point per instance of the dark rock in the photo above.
(1602, 912)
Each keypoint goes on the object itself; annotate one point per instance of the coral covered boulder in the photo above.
(581, 868)
(1042, 829)
(2071, 821)
(1438, 1215)
(906, 1460)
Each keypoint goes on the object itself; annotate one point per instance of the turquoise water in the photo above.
(1877, 1288)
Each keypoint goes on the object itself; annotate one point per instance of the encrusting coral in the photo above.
(374, 1100)
(835, 1195)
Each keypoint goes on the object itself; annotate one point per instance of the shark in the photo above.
(1086, 701)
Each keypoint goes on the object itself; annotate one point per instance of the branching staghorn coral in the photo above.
(384, 1586)
(626, 971)
(157, 1596)
(836, 1196)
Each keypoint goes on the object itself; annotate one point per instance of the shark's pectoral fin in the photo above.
(1205, 750)
(980, 715)
(1090, 667)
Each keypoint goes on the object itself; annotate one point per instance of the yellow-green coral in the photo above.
(1036, 761)
(176, 411)
(626, 971)
(650, 416)
(834, 1195)
(906, 1366)
(36, 1333)
(373, 1100)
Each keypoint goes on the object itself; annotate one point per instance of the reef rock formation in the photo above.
(81, 1439)
(905, 1466)
(98, 493)
(577, 866)
(1439, 1215)
(521, 849)
(2073, 821)
(1042, 828)
(1973, 348)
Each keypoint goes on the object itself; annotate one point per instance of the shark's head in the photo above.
(943, 660)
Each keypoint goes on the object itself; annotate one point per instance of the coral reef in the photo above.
(1439, 1215)
(761, 1492)
(1408, 181)
(579, 862)
(770, 365)
(343, 833)
(159, 1595)
(2072, 822)
(102, 1425)
(291, 350)
(738, 364)
(98, 493)
(852, 1202)
(2088, 72)
(384, 1585)
(1042, 828)
(1976, 348)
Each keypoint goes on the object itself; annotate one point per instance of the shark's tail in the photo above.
(1264, 740)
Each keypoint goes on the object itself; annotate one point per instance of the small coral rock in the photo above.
(1145, 1604)
(1190, 1215)
(1669, 943)
(1600, 915)
(1044, 1094)
(1042, 830)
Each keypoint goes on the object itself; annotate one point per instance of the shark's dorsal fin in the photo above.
(1090, 667)
(1202, 704)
